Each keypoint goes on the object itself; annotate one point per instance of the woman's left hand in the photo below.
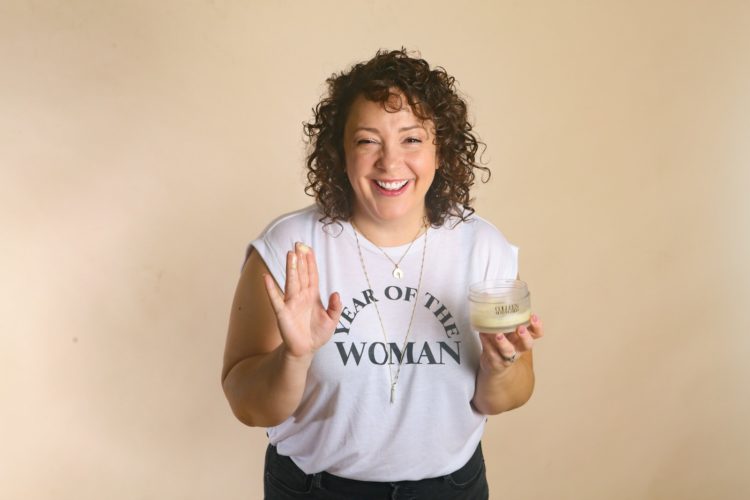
(499, 351)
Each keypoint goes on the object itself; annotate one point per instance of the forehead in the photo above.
(396, 110)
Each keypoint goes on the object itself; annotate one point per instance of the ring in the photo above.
(509, 359)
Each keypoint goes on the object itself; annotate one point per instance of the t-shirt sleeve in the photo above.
(273, 257)
(279, 237)
(503, 259)
(276, 240)
(500, 256)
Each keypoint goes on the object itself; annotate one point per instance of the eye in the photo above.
(413, 140)
(366, 141)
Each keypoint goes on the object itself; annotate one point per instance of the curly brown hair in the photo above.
(432, 95)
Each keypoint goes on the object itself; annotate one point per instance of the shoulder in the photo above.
(282, 233)
(477, 229)
(485, 245)
(302, 225)
(298, 221)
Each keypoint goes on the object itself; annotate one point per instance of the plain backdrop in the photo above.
(144, 143)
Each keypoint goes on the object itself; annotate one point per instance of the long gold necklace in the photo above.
(394, 379)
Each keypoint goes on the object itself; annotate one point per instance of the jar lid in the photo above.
(498, 290)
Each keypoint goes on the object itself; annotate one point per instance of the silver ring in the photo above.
(509, 359)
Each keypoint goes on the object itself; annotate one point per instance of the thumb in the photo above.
(334, 306)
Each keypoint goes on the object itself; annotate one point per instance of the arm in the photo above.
(503, 385)
(272, 338)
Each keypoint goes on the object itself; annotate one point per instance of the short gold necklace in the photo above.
(398, 273)
(394, 379)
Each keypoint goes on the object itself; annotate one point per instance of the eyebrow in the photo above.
(374, 130)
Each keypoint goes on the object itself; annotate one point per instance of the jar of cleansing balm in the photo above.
(499, 306)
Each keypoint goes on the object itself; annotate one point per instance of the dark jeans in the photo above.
(285, 481)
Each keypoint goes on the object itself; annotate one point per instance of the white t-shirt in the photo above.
(345, 423)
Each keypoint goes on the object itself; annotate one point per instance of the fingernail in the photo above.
(294, 261)
(302, 247)
(534, 318)
(522, 330)
(499, 337)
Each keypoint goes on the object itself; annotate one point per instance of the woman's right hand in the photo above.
(304, 322)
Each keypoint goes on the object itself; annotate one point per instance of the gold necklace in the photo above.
(398, 273)
(394, 380)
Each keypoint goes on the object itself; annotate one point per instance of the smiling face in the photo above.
(391, 160)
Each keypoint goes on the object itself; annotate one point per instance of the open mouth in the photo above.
(391, 188)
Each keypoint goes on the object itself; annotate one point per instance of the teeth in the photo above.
(391, 186)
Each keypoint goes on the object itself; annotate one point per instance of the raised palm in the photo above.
(304, 322)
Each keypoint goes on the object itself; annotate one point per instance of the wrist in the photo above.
(295, 359)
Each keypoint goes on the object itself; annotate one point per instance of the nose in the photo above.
(390, 157)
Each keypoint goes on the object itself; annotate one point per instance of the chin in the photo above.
(394, 214)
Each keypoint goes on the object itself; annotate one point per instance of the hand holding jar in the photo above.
(500, 311)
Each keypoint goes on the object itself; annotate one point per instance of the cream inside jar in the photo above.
(499, 306)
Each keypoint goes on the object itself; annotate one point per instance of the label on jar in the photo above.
(501, 309)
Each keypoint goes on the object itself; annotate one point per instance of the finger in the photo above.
(312, 267)
(504, 346)
(291, 287)
(274, 295)
(300, 250)
(512, 336)
(536, 328)
(490, 348)
(334, 306)
(506, 350)
(524, 340)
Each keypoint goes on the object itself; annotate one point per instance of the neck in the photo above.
(389, 234)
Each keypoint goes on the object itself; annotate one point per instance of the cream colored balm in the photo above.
(499, 306)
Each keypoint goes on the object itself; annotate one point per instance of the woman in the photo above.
(381, 391)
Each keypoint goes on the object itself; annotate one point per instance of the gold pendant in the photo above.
(398, 273)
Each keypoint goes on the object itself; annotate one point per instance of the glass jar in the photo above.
(499, 306)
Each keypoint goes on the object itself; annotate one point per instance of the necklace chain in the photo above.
(398, 273)
(394, 379)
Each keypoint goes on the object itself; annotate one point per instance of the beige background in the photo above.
(144, 143)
